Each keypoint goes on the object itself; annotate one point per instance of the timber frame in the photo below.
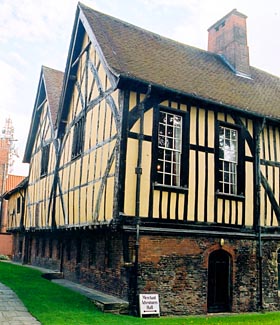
(94, 202)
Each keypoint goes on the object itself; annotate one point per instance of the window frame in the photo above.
(78, 138)
(240, 166)
(184, 155)
(18, 204)
(45, 155)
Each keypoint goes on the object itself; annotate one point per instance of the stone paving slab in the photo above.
(12, 310)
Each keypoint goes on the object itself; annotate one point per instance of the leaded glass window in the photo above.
(228, 157)
(169, 149)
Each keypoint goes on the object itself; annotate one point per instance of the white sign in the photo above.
(149, 304)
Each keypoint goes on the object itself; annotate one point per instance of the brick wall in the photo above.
(4, 157)
(177, 269)
(92, 258)
(6, 244)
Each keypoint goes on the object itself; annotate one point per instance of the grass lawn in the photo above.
(52, 304)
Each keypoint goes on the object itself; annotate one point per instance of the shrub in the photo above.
(4, 258)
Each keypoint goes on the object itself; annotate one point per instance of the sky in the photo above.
(37, 32)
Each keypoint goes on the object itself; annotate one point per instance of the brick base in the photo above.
(176, 267)
(6, 244)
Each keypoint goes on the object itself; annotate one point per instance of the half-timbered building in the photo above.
(162, 170)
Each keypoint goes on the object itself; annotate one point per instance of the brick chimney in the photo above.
(228, 37)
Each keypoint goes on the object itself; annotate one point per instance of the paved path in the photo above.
(12, 310)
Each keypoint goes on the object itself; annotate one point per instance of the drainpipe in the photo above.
(138, 172)
(258, 215)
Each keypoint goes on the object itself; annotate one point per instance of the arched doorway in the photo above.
(219, 282)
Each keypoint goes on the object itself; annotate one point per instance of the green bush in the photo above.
(4, 257)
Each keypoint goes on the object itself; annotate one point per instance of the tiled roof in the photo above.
(53, 83)
(12, 181)
(139, 54)
(20, 182)
(52, 86)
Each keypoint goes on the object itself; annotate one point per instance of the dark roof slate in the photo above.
(136, 53)
(50, 86)
(53, 84)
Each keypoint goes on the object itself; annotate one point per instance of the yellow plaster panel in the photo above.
(136, 127)
(249, 195)
(240, 213)
(173, 206)
(174, 105)
(130, 177)
(76, 206)
(201, 137)
(109, 198)
(88, 131)
(193, 114)
(277, 135)
(165, 103)
(77, 171)
(156, 196)
(181, 206)
(101, 121)
(95, 92)
(85, 169)
(164, 204)
(70, 206)
(94, 125)
(102, 76)
(247, 150)
(219, 210)
(145, 179)
(115, 96)
(108, 122)
(230, 119)
(250, 127)
(221, 117)
(183, 107)
(233, 212)
(104, 158)
(211, 129)
(277, 185)
(90, 200)
(91, 162)
(192, 186)
(201, 185)
(264, 146)
(98, 163)
(83, 199)
(227, 211)
(71, 175)
(271, 144)
(132, 100)
(211, 188)
(148, 122)
(101, 213)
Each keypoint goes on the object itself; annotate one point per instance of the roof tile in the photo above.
(134, 52)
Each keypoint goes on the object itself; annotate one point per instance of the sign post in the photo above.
(149, 304)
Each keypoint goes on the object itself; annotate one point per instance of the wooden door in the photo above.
(219, 282)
